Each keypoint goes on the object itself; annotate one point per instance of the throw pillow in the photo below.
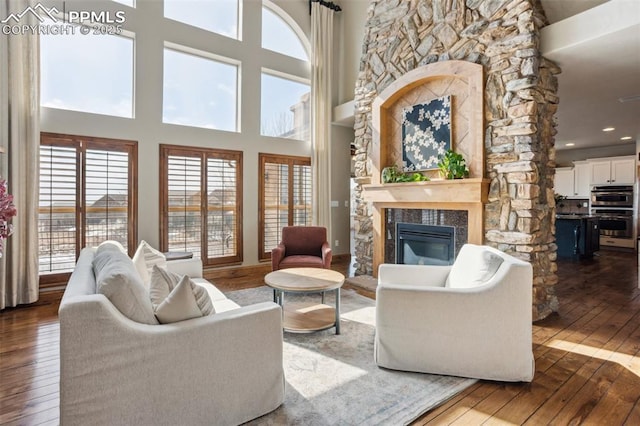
(473, 267)
(179, 305)
(163, 287)
(145, 258)
(118, 280)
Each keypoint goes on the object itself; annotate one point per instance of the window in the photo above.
(285, 106)
(199, 91)
(201, 209)
(285, 197)
(72, 65)
(279, 35)
(87, 196)
(219, 16)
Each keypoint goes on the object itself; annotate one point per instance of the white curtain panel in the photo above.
(20, 138)
(321, 63)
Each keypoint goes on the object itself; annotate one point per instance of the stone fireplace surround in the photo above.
(507, 138)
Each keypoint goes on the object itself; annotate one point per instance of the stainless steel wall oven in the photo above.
(615, 223)
(613, 205)
(612, 196)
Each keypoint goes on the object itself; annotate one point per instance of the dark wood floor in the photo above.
(587, 357)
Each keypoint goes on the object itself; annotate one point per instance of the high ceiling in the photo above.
(597, 45)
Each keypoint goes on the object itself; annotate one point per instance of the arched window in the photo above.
(280, 33)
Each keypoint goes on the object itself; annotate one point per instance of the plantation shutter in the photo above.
(302, 195)
(285, 197)
(106, 196)
(184, 204)
(222, 214)
(58, 212)
(276, 203)
(86, 196)
(201, 208)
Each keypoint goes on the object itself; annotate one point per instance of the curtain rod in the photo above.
(329, 4)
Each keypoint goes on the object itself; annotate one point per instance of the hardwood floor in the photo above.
(587, 357)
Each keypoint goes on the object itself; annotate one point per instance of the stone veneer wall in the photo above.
(520, 102)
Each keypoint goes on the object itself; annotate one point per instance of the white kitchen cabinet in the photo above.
(623, 170)
(582, 179)
(618, 171)
(564, 181)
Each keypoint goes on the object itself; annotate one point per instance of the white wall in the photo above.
(151, 31)
(353, 18)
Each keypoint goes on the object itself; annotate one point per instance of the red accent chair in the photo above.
(302, 247)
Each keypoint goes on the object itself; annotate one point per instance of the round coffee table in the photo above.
(304, 317)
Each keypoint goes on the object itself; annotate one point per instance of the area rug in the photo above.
(333, 380)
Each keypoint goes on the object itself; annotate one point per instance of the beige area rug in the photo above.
(333, 380)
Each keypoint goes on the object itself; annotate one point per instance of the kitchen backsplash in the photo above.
(577, 206)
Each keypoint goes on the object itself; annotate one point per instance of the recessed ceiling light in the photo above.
(569, 144)
(608, 129)
(626, 138)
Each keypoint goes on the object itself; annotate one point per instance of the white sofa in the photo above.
(472, 319)
(222, 369)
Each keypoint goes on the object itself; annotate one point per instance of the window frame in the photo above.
(290, 160)
(167, 150)
(81, 144)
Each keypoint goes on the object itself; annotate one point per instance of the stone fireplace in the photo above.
(485, 54)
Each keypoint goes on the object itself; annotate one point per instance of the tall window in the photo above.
(87, 196)
(285, 107)
(285, 197)
(201, 207)
(87, 72)
(199, 91)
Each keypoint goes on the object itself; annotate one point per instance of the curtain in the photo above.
(20, 139)
(321, 63)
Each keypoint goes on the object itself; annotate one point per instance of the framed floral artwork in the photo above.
(426, 134)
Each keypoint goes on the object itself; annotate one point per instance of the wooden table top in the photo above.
(304, 279)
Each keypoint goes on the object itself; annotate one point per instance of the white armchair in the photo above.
(471, 319)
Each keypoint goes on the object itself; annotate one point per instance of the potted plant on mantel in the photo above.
(391, 174)
(452, 166)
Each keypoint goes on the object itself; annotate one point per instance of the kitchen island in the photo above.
(577, 236)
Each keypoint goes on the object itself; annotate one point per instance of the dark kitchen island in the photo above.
(577, 236)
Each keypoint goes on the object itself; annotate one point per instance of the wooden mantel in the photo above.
(459, 194)
(433, 193)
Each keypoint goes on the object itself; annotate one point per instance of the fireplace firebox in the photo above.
(419, 244)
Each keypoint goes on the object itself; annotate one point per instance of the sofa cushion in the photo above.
(473, 267)
(111, 245)
(164, 290)
(301, 261)
(118, 280)
(145, 258)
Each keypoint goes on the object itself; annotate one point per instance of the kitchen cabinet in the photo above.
(618, 170)
(564, 181)
(574, 182)
(582, 179)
